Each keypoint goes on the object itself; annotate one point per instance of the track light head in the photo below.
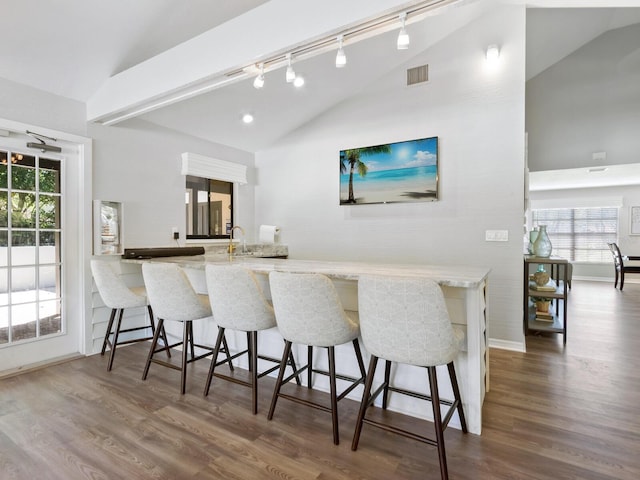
(403, 36)
(290, 76)
(259, 81)
(341, 58)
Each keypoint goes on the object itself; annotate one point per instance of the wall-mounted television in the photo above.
(390, 173)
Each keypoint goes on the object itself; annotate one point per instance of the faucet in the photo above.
(231, 246)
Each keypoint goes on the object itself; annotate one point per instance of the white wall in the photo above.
(479, 119)
(588, 102)
(139, 165)
(21, 103)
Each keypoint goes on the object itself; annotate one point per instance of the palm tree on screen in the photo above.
(351, 159)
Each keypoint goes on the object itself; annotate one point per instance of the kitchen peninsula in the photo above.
(465, 292)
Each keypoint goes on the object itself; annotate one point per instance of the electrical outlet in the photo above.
(496, 235)
(175, 232)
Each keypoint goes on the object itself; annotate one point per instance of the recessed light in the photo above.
(247, 118)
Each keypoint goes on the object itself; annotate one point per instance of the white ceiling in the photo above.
(72, 47)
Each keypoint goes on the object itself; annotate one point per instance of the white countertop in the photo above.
(445, 275)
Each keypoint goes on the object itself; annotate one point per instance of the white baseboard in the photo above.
(507, 345)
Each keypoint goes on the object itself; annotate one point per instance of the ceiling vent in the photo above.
(417, 75)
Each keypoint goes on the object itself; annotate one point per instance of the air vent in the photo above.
(418, 75)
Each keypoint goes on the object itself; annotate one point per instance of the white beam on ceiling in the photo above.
(221, 55)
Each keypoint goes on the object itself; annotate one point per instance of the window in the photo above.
(30, 246)
(580, 234)
(209, 208)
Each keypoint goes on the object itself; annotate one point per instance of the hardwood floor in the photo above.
(552, 413)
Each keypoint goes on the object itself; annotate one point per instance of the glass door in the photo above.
(30, 247)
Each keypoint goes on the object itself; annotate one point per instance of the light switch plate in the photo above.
(496, 235)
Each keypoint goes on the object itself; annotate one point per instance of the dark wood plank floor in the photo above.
(552, 413)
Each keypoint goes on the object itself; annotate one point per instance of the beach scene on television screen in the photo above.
(391, 173)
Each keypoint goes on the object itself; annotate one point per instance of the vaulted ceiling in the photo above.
(76, 48)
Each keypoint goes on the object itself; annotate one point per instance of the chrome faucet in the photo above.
(231, 246)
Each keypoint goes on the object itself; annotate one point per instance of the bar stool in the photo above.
(117, 296)
(308, 312)
(174, 299)
(237, 303)
(405, 320)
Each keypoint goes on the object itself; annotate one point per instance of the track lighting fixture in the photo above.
(299, 81)
(341, 58)
(403, 36)
(290, 75)
(259, 81)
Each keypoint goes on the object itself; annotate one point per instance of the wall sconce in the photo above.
(493, 53)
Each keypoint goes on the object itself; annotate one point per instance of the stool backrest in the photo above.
(170, 294)
(309, 311)
(406, 320)
(237, 302)
(113, 291)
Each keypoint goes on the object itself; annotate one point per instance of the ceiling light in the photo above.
(403, 36)
(259, 81)
(493, 53)
(290, 75)
(299, 81)
(247, 118)
(341, 58)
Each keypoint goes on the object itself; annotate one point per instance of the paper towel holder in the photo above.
(268, 234)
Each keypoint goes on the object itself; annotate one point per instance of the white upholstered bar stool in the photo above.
(117, 296)
(405, 320)
(309, 312)
(174, 299)
(238, 303)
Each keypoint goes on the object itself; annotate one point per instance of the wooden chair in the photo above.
(238, 303)
(173, 298)
(620, 267)
(309, 312)
(405, 320)
(117, 296)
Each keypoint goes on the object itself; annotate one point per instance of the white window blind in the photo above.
(580, 234)
(207, 167)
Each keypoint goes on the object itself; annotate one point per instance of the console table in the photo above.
(558, 272)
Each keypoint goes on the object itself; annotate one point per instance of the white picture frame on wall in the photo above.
(634, 220)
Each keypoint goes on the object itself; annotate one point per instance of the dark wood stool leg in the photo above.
(456, 393)
(276, 391)
(356, 348)
(387, 379)
(185, 346)
(437, 420)
(163, 333)
(191, 342)
(309, 365)
(292, 362)
(226, 349)
(250, 363)
(154, 342)
(108, 332)
(115, 340)
(214, 360)
(365, 401)
(253, 368)
(334, 395)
